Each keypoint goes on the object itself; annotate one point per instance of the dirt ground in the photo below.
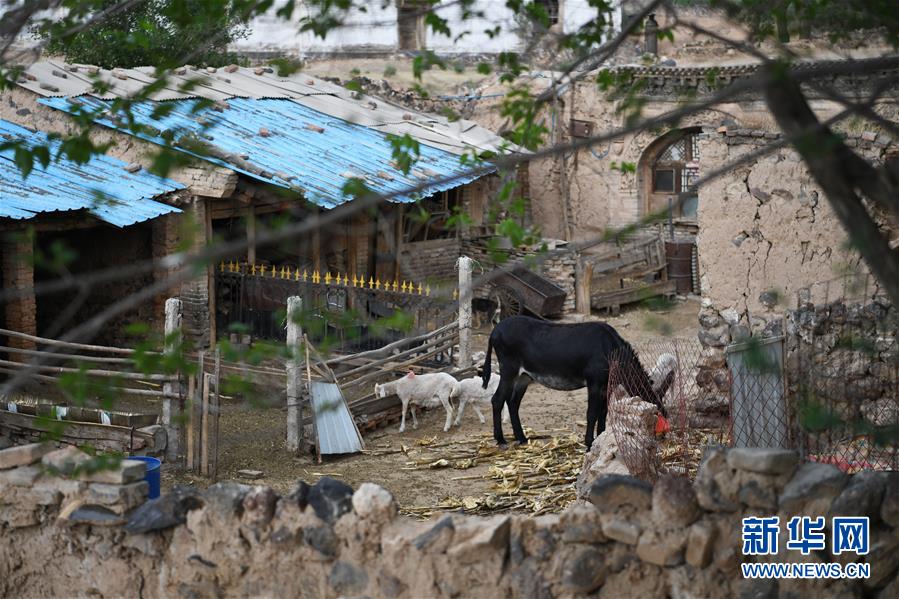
(253, 438)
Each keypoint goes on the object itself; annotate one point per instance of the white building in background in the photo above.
(396, 25)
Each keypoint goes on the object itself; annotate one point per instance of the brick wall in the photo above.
(433, 260)
(165, 243)
(18, 273)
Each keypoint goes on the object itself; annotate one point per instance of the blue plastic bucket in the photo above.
(152, 475)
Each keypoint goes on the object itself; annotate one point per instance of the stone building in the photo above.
(278, 150)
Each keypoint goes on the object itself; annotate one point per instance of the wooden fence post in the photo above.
(583, 279)
(464, 312)
(172, 391)
(295, 431)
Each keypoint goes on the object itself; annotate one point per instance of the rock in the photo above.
(712, 470)
(19, 477)
(121, 497)
(613, 491)
(347, 579)
(259, 506)
(250, 474)
(813, 483)
(374, 503)
(491, 539)
(438, 538)
(66, 460)
(164, 512)
(331, 499)
(769, 299)
(602, 459)
(718, 336)
(674, 502)
(739, 332)
(94, 515)
(127, 471)
(730, 316)
(709, 317)
(763, 461)
(889, 508)
(621, 530)
(700, 542)
(753, 494)
(863, 496)
(585, 572)
(226, 498)
(299, 495)
(581, 524)
(662, 548)
(322, 539)
(883, 558)
(23, 455)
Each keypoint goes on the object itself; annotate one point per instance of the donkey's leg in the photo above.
(500, 398)
(596, 410)
(521, 385)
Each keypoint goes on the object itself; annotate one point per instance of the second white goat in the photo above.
(423, 390)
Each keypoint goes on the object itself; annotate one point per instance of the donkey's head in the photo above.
(649, 387)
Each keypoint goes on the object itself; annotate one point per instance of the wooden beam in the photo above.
(316, 243)
(251, 234)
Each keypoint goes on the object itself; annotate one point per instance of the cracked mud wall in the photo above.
(765, 228)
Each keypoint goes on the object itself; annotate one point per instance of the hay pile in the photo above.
(536, 478)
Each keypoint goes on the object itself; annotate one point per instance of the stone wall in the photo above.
(429, 260)
(631, 539)
(559, 269)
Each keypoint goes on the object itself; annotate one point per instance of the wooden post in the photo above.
(189, 423)
(583, 279)
(210, 279)
(316, 243)
(464, 312)
(196, 415)
(251, 234)
(204, 427)
(216, 411)
(294, 376)
(172, 390)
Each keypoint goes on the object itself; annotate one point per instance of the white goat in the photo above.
(472, 391)
(424, 390)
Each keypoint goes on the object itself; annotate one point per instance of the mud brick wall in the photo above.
(673, 539)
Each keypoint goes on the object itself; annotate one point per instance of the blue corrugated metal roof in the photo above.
(295, 154)
(102, 186)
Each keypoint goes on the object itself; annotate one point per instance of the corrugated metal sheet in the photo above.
(759, 405)
(103, 186)
(294, 155)
(57, 79)
(333, 422)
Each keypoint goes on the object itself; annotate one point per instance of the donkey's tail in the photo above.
(488, 366)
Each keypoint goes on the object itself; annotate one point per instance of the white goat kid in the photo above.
(471, 391)
(424, 390)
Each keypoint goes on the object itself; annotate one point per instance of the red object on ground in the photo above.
(662, 425)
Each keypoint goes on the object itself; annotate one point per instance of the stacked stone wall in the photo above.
(78, 537)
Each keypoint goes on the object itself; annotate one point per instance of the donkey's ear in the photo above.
(662, 389)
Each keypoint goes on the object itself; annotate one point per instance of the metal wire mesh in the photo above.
(643, 444)
(842, 372)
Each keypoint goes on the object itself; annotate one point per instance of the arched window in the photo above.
(674, 170)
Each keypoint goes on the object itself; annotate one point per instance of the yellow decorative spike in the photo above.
(254, 268)
(355, 280)
(455, 294)
(327, 278)
(316, 277)
(395, 285)
(378, 284)
(262, 270)
(420, 289)
(305, 275)
(222, 266)
(346, 280)
(428, 291)
(296, 274)
(274, 271)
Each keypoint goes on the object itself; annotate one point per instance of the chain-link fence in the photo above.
(647, 445)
